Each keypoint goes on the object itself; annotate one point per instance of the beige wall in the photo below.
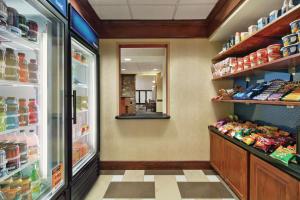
(183, 137)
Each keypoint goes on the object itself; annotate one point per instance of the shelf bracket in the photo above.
(292, 71)
(290, 107)
(247, 81)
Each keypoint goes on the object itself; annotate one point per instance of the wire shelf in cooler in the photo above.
(77, 166)
(12, 40)
(17, 84)
(78, 63)
(18, 129)
(80, 136)
(80, 85)
(21, 168)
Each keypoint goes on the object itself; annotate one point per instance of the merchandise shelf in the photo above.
(78, 63)
(81, 111)
(264, 37)
(18, 129)
(274, 103)
(283, 63)
(17, 84)
(24, 166)
(80, 85)
(82, 162)
(16, 42)
(80, 136)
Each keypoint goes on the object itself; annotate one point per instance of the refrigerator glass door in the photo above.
(32, 153)
(84, 105)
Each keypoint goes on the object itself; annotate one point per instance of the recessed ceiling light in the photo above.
(155, 69)
(153, 81)
(123, 69)
(127, 59)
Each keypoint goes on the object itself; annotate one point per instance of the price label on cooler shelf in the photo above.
(57, 176)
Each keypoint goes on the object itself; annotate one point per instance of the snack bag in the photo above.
(264, 144)
(249, 140)
(283, 154)
(239, 135)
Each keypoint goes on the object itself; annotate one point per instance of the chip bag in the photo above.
(283, 154)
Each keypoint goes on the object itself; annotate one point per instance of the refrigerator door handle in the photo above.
(74, 107)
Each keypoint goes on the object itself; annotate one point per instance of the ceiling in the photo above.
(152, 9)
(143, 61)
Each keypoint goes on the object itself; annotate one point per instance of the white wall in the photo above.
(185, 136)
(144, 82)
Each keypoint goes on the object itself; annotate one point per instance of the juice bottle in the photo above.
(33, 111)
(35, 181)
(23, 73)
(3, 109)
(23, 112)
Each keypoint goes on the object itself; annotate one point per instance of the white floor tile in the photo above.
(117, 178)
(148, 178)
(213, 178)
(181, 178)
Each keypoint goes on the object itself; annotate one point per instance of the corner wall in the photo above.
(185, 136)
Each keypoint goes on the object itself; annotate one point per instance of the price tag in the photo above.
(57, 176)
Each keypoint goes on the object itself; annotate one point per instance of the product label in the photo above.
(57, 176)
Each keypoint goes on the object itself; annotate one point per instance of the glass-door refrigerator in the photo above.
(84, 83)
(32, 100)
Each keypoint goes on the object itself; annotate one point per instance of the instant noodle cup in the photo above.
(290, 39)
(295, 26)
(247, 63)
(253, 59)
(290, 50)
(240, 64)
(274, 52)
(262, 56)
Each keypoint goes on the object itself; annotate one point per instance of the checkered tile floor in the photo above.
(160, 185)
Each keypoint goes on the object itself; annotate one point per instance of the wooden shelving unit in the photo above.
(274, 103)
(283, 63)
(270, 34)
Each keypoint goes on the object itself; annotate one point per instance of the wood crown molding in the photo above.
(158, 28)
(154, 165)
(152, 28)
(222, 10)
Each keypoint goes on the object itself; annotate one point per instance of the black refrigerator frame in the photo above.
(61, 193)
(80, 184)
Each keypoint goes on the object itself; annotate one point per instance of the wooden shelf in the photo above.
(283, 63)
(274, 103)
(270, 34)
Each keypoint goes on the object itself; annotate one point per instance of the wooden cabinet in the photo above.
(236, 169)
(231, 162)
(217, 152)
(269, 183)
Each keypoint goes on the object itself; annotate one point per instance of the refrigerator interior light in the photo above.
(44, 104)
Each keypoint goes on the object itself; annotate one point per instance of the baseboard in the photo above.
(154, 165)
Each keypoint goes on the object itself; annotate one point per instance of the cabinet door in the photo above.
(269, 183)
(217, 152)
(236, 169)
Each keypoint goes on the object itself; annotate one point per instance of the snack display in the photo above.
(268, 139)
(232, 64)
(274, 90)
(273, 87)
